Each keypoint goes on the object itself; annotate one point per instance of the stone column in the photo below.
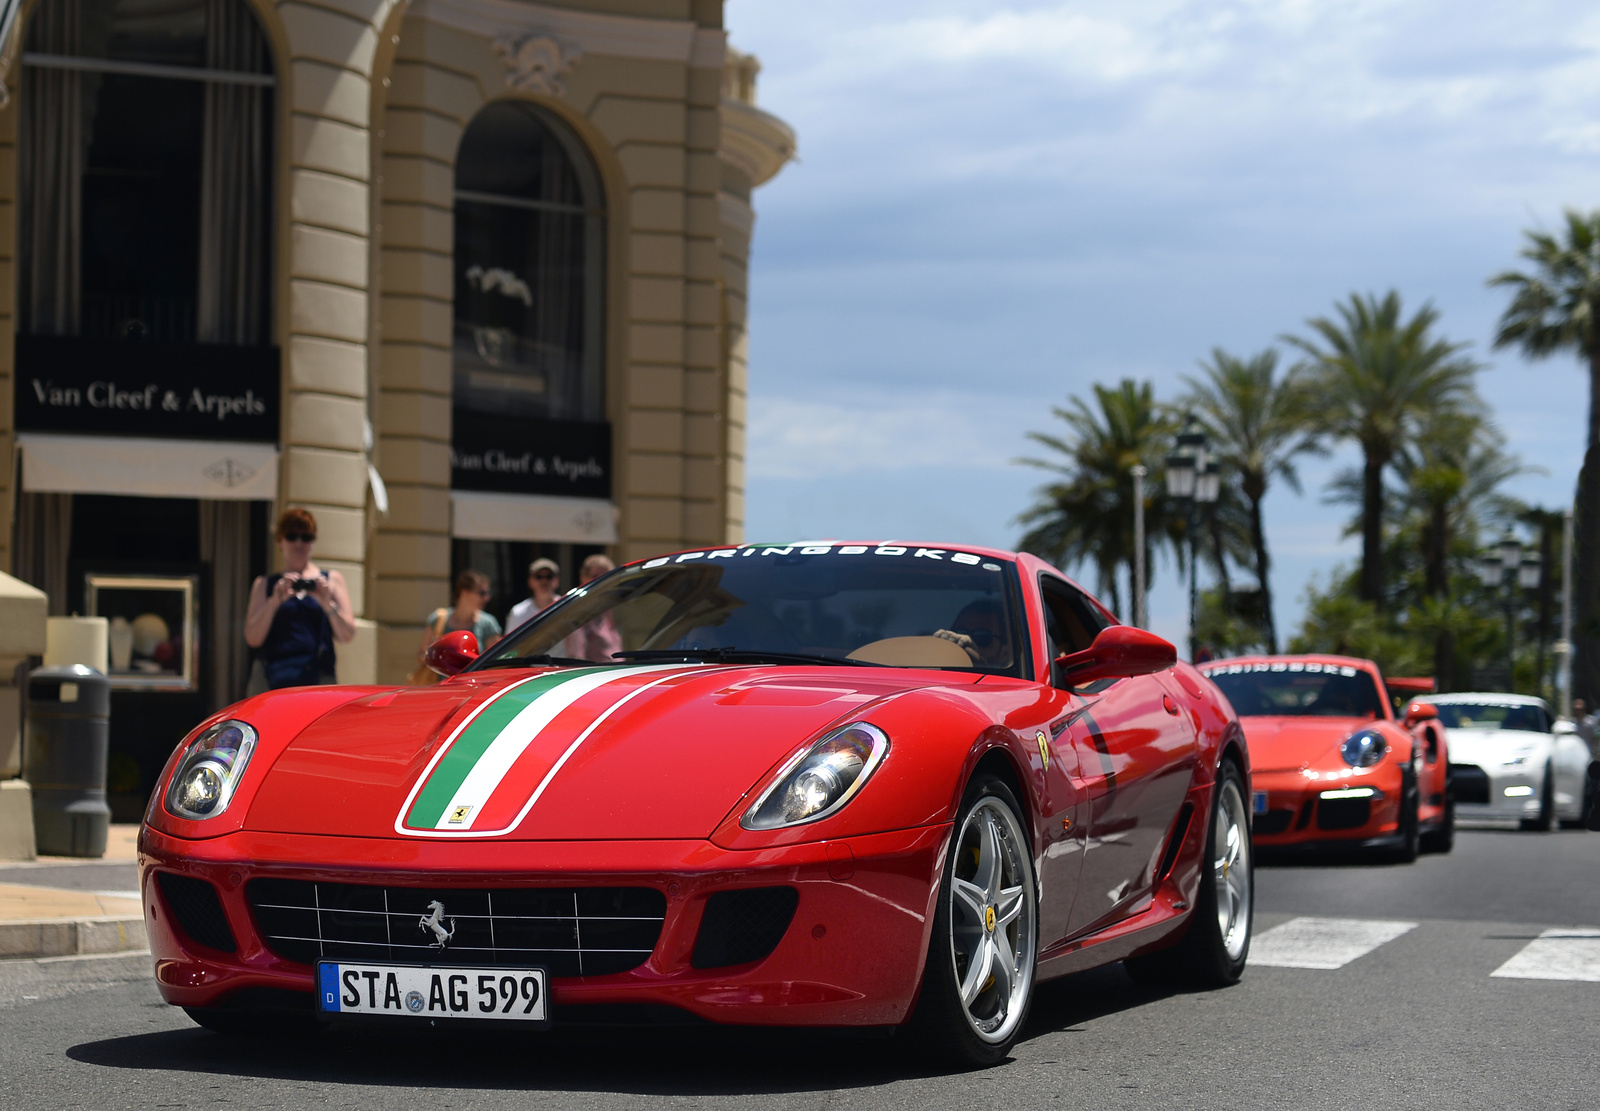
(326, 260)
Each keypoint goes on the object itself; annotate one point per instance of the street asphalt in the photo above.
(1415, 1021)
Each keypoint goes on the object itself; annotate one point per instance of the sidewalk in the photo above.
(67, 906)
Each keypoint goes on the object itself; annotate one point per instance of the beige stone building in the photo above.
(467, 278)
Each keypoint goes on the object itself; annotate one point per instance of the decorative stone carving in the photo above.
(535, 62)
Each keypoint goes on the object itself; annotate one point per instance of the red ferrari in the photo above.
(823, 784)
(1334, 767)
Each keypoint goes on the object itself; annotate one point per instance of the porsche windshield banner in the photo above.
(483, 780)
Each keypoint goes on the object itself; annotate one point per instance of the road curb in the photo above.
(66, 937)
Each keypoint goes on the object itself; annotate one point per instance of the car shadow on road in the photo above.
(644, 1061)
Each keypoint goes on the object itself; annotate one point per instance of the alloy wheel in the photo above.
(992, 916)
(1231, 870)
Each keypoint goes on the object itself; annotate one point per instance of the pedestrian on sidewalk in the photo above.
(597, 640)
(467, 613)
(296, 615)
(544, 590)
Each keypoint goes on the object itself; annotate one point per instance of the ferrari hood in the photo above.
(663, 751)
(1291, 743)
(1487, 747)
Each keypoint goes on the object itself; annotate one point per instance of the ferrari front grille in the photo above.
(570, 931)
(1469, 783)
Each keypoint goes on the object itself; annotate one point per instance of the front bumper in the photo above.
(1500, 792)
(852, 955)
(1332, 808)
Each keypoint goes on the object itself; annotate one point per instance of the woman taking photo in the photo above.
(297, 614)
(472, 591)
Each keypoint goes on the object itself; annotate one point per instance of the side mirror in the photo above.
(1117, 653)
(1419, 712)
(451, 653)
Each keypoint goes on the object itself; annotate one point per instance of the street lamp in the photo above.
(1192, 480)
(1507, 566)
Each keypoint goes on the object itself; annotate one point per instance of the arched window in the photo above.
(145, 172)
(530, 236)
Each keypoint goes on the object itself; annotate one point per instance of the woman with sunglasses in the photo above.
(472, 592)
(296, 614)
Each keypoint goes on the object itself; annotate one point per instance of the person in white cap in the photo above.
(544, 588)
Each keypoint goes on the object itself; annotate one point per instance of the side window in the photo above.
(1071, 623)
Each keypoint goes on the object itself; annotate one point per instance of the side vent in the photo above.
(743, 926)
(195, 905)
(1180, 830)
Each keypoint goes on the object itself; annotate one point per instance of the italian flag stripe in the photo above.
(477, 759)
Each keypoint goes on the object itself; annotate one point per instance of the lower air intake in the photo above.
(1343, 813)
(198, 911)
(1273, 821)
(743, 926)
(1469, 783)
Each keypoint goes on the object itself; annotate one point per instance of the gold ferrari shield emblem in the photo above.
(988, 919)
(459, 815)
(1044, 748)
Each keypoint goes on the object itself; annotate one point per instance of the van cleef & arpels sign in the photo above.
(524, 455)
(167, 390)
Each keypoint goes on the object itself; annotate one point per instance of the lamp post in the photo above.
(1191, 481)
(1564, 646)
(1507, 566)
(1139, 619)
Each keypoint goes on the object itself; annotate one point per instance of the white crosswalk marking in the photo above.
(1556, 955)
(1322, 942)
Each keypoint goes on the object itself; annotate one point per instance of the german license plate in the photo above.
(1258, 802)
(419, 991)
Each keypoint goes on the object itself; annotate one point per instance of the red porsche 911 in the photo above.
(1334, 767)
(821, 784)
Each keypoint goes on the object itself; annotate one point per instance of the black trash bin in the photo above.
(69, 717)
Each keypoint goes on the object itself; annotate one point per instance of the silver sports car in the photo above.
(1509, 760)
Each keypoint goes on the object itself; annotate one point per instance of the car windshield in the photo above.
(1298, 689)
(886, 605)
(1489, 715)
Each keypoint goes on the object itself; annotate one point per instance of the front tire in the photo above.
(1546, 820)
(1216, 945)
(1442, 838)
(979, 979)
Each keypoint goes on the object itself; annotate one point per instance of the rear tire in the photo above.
(1216, 945)
(984, 951)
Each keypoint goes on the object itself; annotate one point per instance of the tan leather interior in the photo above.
(913, 652)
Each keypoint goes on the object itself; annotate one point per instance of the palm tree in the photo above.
(1257, 422)
(1374, 377)
(1450, 478)
(1555, 309)
(1086, 513)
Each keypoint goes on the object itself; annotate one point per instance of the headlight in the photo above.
(821, 780)
(1364, 748)
(210, 769)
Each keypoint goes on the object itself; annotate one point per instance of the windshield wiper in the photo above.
(541, 661)
(739, 655)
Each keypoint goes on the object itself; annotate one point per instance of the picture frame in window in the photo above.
(152, 641)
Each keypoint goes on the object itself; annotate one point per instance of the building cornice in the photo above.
(618, 36)
(756, 142)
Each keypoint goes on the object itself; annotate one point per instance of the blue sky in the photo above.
(999, 204)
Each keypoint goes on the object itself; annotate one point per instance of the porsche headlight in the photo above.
(821, 780)
(1363, 748)
(210, 769)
